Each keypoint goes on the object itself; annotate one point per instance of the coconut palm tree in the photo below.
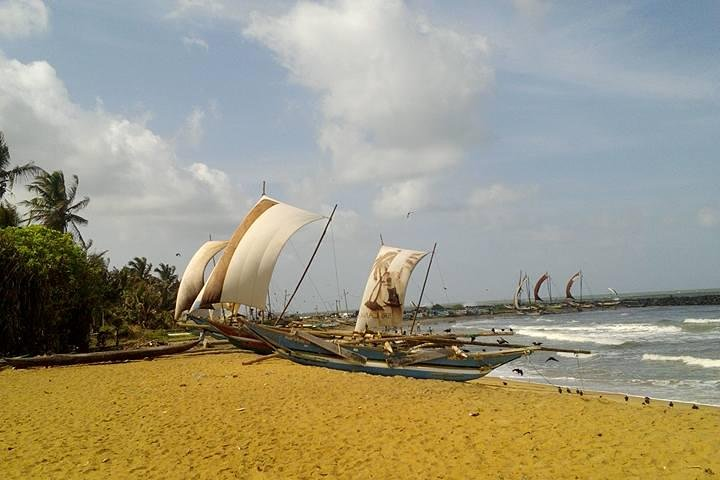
(140, 267)
(166, 273)
(54, 204)
(8, 215)
(8, 176)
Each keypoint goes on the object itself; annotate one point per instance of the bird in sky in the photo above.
(407, 215)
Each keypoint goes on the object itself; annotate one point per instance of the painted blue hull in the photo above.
(305, 353)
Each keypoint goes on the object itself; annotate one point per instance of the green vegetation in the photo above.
(56, 295)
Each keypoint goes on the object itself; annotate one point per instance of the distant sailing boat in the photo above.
(568, 291)
(612, 302)
(523, 284)
(536, 291)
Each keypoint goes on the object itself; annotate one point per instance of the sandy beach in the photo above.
(205, 415)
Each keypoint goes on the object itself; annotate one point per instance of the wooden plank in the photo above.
(261, 359)
(331, 347)
(419, 357)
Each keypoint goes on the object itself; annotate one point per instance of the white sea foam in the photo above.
(610, 334)
(702, 320)
(573, 355)
(687, 359)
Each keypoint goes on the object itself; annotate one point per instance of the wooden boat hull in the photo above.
(62, 359)
(378, 362)
(242, 338)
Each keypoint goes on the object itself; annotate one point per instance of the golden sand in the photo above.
(205, 415)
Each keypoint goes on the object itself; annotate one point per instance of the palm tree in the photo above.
(140, 267)
(166, 273)
(8, 176)
(8, 215)
(54, 205)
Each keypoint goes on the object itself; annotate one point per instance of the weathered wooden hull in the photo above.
(62, 359)
(378, 362)
(242, 338)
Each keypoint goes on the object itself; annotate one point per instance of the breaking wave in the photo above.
(687, 359)
(611, 334)
(702, 320)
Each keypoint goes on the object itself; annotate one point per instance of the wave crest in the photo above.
(687, 359)
(702, 320)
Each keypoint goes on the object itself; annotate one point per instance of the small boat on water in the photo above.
(569, 298)
(61, 359)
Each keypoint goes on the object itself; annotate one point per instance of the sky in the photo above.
(518, 135)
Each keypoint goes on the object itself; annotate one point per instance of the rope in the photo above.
(582, 382)
(529, 362)
(322, 301)
(442, 280)
(337, 276)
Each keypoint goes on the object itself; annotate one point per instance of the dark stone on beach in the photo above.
(504, 383)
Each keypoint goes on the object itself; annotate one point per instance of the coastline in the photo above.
(204, 414)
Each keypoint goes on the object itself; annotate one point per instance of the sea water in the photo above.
(668, 353)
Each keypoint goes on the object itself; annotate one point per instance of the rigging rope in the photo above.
(322, 301)
(337, 276)
(529, 362)
(582, 382)
(442, 280)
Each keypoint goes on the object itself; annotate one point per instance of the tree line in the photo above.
(55, 293)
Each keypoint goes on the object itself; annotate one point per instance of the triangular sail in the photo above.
(243, 273)
(193, 279)
(382, 302)
(568, 287)
(519, 290)
(538, 285)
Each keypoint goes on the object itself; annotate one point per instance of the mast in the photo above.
(422, 291)
(312, 257)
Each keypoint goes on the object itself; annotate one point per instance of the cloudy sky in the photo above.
(525, 134)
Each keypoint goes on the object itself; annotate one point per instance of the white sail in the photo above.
(382, 302)
(243, 273)
(194, 276)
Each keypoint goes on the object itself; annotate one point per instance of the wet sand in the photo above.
(205, 415)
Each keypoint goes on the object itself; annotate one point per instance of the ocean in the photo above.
(670, 353)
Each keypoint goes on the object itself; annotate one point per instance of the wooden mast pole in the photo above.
(422, 291)
(302, 277)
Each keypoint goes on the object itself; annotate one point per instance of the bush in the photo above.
(48, 292)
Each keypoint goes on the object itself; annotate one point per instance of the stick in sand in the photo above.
(258, 360)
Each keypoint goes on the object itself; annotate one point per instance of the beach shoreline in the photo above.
(205, 415)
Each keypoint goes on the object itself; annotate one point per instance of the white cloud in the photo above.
(399, 96)
(22, 18)
(708, 217)
(496, 195)
(130, 173)
(192, 131)
(400, 198)
(531, 8)
(191, 41)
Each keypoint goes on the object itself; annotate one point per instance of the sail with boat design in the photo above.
(384, 296)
